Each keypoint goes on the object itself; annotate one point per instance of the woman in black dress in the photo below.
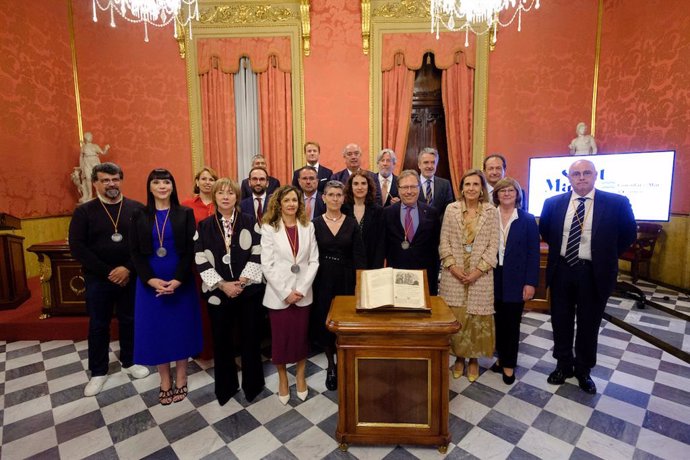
(360, 203)
(341, 252)
(229, 263)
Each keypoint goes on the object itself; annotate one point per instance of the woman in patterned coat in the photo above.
(468, 247)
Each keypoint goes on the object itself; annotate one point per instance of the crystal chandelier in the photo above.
(477, 16)
(158, 13)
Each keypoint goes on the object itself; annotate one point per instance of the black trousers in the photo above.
(243, 314)
(507, 320)
(101, 297)
(574, 297)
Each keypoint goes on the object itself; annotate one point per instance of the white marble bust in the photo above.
(583, 144)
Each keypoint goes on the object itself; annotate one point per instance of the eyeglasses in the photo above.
(578, 174)
(407, 187)
(507, 191)
(109, 181)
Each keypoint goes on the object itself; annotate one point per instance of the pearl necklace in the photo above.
(333, 219)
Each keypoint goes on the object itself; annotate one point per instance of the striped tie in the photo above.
(572, 249)
(429, 193)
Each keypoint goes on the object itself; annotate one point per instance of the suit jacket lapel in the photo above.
(559, 215)
(599, 210)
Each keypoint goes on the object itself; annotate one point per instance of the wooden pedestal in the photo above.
(542, 297)
(13, 286)
(62, 281)
(392, 374)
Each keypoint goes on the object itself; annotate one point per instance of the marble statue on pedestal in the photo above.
(583, 144)
(88, 158)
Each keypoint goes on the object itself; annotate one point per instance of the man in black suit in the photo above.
(255, 203)
(435, 191)
(412, 231)
(495, 170)
(353, 156)
(385, 180)
(258, 161)
(587, 230)
(312, 152)
(313, 200)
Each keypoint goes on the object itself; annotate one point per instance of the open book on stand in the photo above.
(392, 289)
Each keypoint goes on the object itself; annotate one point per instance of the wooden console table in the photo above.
(392, 374)
(62, 281)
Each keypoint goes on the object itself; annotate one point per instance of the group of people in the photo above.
(293, 248)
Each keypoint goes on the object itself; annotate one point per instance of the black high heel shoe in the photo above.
(508, 379)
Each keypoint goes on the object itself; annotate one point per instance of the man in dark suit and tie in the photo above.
(586, 230)
(312, 152)
(436, 192)
(258, 161)
(313, 200)
(385, 180)
(353, 157)
(255, 203)
(494, 170)
(412, 231)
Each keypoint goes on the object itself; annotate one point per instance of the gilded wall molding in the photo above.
(249, 19)
(597, 56)
(75, 73)
(366, 25)
(410, 16)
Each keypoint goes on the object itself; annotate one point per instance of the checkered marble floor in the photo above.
(640, 410)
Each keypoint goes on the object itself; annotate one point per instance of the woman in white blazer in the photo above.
(289, 261)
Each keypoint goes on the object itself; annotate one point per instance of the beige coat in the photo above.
(480, 295)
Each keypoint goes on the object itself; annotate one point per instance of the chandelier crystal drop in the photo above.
(477, 16)
(157, 13)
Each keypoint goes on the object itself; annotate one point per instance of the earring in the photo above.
(481, 194)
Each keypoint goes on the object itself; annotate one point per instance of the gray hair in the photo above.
(430, 150)
(106, 168)
(408, 173)
(394, 157)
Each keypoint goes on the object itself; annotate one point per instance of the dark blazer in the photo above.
(442, 194)
(520, 260)
(613, 231)
(392, 190)
(141, 241)
(246, 190)
(372, 233)
(423, 250)
(319, 205)
(247, 205)
(344, 175)
(323, 175)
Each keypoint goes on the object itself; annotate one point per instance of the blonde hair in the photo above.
(274, 213)
(226, 183)
(484, 195)
(505, 183)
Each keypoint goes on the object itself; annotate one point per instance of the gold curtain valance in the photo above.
(413, 46)
(228, 51)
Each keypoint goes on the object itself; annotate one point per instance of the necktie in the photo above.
(409, 224)
(572, 249)
(259, 210)
(309, 206)
(384, 191)
(429, 194)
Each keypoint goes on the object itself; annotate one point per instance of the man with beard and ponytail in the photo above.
(99, 240)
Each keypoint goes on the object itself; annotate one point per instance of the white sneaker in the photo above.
(137, 371)
(95, 385)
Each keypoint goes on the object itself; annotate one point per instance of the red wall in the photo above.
(644, 89)
(39, 143)
(336, 81)
(540, 83)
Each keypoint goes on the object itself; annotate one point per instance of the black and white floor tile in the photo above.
(639, 412)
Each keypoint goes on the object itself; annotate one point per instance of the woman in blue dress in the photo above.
(167, 322)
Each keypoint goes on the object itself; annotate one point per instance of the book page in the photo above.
(408, 288)
(377, 288)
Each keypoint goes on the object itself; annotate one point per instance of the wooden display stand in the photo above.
(14, 289)
(542, 297)
(392, 374)
(62, 281)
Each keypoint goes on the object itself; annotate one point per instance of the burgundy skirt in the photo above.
(289, 334)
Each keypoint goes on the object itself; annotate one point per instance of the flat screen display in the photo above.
(646, 178)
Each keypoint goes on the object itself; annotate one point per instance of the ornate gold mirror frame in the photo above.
(248, 19)
(408, 16)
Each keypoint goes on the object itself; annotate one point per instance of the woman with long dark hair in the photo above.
(167, 322)
(360, 203)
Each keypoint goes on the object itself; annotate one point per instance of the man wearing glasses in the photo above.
(412, 231)
(255, 203)
(99, 240)
(586, 230)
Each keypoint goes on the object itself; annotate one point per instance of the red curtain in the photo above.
(218, 121)
(275, 119)
(398, 88)
(457, 89)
